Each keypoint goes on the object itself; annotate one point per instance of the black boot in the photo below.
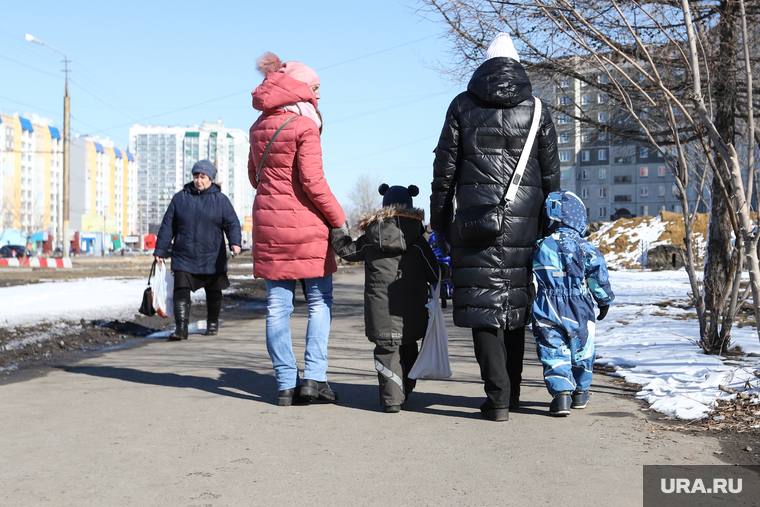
(212, 320)
(181, 318)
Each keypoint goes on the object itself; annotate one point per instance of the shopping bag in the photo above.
(433, 359)
(163, 291)
(146, 308)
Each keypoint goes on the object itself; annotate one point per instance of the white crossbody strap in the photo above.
(522, 163)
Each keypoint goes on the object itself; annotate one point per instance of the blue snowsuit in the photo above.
(569, 271)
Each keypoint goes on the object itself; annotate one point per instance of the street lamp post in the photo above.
(63, 215)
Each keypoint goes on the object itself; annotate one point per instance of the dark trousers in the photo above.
(184, 294)
(501, 364)
(393, 364)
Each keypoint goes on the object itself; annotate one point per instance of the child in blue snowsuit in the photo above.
(571, 275)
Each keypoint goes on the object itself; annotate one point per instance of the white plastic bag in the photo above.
(433, 360)
(163, 291)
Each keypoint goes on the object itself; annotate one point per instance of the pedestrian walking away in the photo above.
(398, 265)
(196, 221)
(571, 275)
(476, 159)
(293, 211)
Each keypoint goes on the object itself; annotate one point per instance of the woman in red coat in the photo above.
(293, 212)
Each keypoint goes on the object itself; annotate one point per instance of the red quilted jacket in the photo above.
(294, 207)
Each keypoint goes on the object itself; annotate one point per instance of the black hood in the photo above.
(394, 228)
(500, 81)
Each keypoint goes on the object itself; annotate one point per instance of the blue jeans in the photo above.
(280, 294)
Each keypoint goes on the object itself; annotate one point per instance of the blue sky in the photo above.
(182, 63)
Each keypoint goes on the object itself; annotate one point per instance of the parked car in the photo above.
(7, 251)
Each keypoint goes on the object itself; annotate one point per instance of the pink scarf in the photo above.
(304, 109)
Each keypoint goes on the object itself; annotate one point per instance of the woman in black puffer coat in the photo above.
(197, 219)
(481, 142)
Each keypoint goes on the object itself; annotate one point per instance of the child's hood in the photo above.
(393, 228)
(564, 208)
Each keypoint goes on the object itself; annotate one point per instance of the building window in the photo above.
(661, 191)
(601, 98)
(644, 211)
(563, 119)
(601, 79)
(603, 212)
(602, 117)
(584, 193)
(585, 99)
(586, 137)
(564, 156)
(602, 154)
(584, 174)
(564, 82)
(644, 152)
(677, 208)
(603, 192)
(565, 174)
(644, 171)
(603, 174)
(662, 171)
(674, 190)
(644, 191)
(564, 138)
(602, 136)
(564, 100)
(585, 155)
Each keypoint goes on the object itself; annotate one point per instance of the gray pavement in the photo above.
(196, 424)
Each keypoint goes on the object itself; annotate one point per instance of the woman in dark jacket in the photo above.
(481, 142)
(197, 219)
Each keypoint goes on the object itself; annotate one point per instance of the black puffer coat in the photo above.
(398, 265)
(478, 150)
(197, 222)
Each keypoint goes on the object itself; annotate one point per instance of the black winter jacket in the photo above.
(478, 150)
(197, 221)
(398, 265)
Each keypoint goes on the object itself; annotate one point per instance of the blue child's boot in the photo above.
(560, 405)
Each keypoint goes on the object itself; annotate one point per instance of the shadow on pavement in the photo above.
(234, 382)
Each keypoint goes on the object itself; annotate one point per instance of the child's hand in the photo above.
(603, 312)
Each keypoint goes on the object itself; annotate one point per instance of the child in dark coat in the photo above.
(398, 265)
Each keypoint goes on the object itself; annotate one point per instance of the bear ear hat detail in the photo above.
(414, 191)
(383, 188)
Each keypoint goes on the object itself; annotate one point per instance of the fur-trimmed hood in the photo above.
(393, 228)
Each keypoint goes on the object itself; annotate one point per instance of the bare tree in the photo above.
(678, 76)
(365, 199)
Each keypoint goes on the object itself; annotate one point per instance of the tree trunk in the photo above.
(719, 263)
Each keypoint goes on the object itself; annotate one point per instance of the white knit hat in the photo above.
(501, 46)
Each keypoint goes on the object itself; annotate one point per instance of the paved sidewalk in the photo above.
(196, 424)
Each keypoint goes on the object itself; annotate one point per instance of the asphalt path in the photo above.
(196, 423)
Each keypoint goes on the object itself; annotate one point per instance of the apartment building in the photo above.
(103, 192)
(31, 167)
(614, 177)
(165, 157)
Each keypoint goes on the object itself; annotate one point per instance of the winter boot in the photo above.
(181, 318)
(212, 320)
(560, 405)
(580, 399)
(318, 390)
(500, 414)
